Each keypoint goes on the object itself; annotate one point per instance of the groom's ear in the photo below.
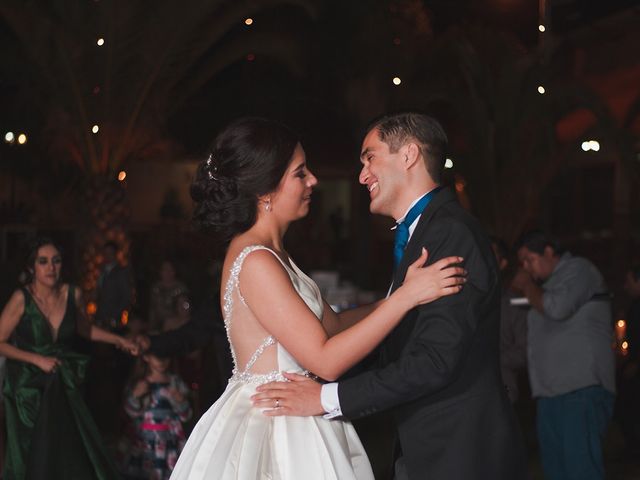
(411, 154)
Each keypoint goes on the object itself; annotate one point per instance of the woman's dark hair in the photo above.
(31, 253)
(537, 241)
(248, 159)
(138, 372)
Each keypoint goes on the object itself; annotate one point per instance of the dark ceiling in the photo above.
(345, 39)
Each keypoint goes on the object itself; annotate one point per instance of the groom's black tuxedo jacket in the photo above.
(439, 369)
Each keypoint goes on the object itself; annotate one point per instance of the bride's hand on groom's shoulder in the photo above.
(299, 397)
(428, 283)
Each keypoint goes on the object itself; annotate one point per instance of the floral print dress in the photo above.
(159, 433)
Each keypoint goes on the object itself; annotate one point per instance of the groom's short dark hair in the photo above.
(398, 129)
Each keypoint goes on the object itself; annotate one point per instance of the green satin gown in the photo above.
(50, 432)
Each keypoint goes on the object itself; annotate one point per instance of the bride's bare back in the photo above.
(252, 346)
(245, 333)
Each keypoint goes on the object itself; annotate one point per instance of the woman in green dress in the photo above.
(50, 432)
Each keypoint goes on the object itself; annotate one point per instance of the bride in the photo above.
(252, 186)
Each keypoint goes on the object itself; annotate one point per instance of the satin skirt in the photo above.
(234, 441)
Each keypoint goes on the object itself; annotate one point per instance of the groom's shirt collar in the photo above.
(412, 227)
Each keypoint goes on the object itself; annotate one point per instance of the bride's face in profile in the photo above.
(293, 196)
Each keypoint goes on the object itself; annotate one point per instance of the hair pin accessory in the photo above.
(212, 167)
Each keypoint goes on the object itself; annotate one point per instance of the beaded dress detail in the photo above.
(234, 440)
(234, 284)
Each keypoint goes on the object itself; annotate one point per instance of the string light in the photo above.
(591, 145)
(100, 42)
(22, 139)
(9, 137)
(448, 163)
(397, 81)
(541, 28)
(541, 90)
(122, 175)
(95, 129)
(248, 21)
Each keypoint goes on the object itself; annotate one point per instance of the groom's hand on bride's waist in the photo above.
(299, 397)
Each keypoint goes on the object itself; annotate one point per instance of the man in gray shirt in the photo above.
(513, 325)
(571, 362)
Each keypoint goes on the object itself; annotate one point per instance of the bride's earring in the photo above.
(267, 205)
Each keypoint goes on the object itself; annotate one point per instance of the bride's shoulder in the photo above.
(249, 255)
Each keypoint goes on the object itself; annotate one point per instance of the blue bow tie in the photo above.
(402, 229)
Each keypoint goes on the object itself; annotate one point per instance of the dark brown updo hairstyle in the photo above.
(248, 159)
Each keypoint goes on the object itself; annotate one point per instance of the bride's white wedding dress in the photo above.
(234, 440)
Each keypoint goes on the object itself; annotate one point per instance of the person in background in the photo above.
(513, 326)
(628, 402)
(51, 434)
(109, 369)
(158, 402)
(163, 296)
(115, 290)
(189, 365)
(206, 327)
(571, 363)
(180, 313)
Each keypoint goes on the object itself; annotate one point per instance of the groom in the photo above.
(439, 369)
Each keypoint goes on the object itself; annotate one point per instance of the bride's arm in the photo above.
(267, 290)
(337, 322)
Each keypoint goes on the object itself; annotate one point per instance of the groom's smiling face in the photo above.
(383, 175)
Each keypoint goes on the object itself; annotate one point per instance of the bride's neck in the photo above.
(268, 234)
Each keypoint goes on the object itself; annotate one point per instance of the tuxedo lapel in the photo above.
(412, 252)
(398, 339)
